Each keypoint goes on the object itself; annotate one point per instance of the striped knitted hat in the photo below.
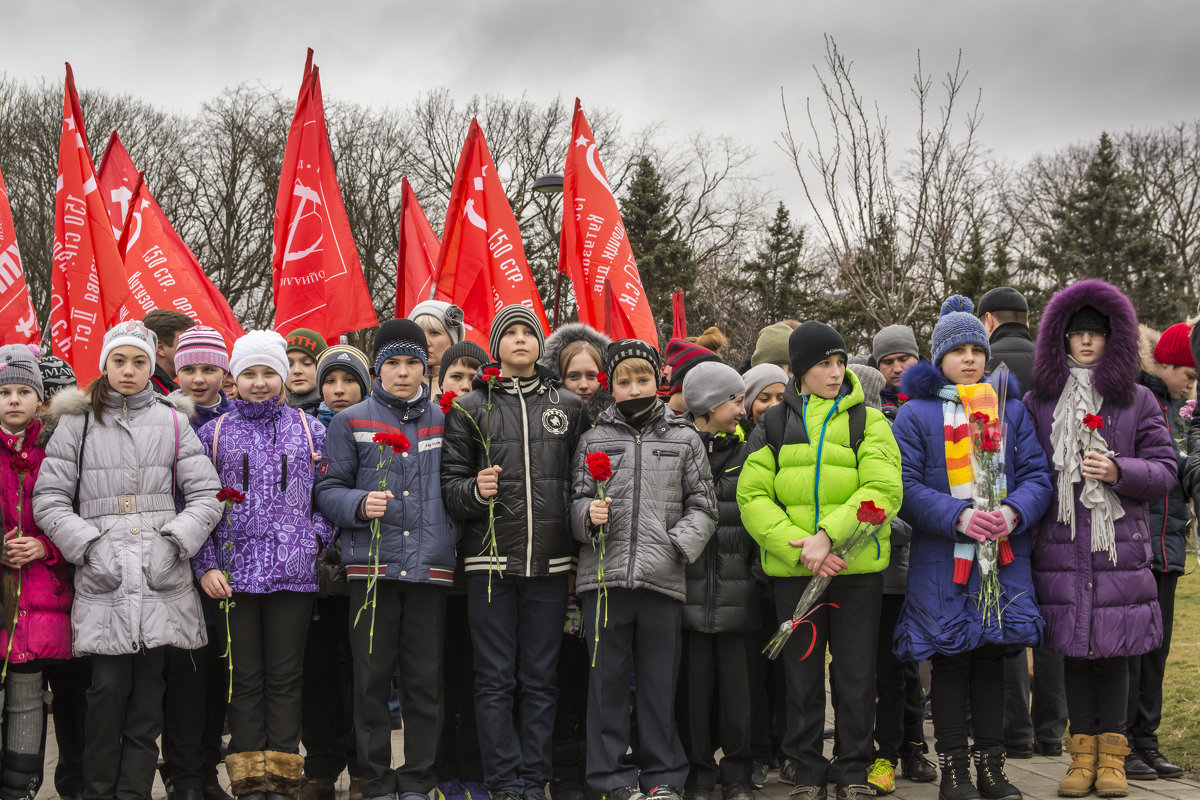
(681, 356)
(348, 358)
(512, 315)
(201, 345)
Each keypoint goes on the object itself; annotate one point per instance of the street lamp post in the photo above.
(551, 184)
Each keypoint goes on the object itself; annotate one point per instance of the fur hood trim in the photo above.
(923, 381)
(1147, 340)
(75, 401)
(568, 333)
(1115, 374)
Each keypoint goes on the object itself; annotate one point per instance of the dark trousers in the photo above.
(714, 711)
(194, 711)
(768, 693)
(458, 747)
(850, 633)
(516, 636)
(968, 683)
(570, 720)
(410, 626)
(900, 707)
(124, 720)
(269, 632)
(1146, 673)
(69, 681)
(643, 638)
(327, 714)
(1097, 694)
(1045, 719)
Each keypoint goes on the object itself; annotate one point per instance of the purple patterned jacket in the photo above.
(278, 534)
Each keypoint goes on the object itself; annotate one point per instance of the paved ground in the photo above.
(1037, 778)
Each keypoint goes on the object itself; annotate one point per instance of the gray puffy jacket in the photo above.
(133, 581)
(664, 507)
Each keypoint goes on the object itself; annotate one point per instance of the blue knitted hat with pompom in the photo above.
(957, 326)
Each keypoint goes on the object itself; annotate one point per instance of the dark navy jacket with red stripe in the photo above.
(418, 537)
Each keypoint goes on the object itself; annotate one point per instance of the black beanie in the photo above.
(812, 343)
(400, 337)
(1004, 298)
(623, 349)
(1088, 319)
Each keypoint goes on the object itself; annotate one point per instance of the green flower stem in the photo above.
(602, 589)
(12, 630)
(373, 549)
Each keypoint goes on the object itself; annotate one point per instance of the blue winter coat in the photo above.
(417, 535)
(940, 616)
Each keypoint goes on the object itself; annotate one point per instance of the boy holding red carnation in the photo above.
(658, 513)
(400, 569)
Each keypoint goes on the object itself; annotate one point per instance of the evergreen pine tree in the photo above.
(1101, 232)
(972, 280)
(776, 276)
(664, 260)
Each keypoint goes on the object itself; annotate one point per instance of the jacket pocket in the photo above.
(101, 569)
(164, 568)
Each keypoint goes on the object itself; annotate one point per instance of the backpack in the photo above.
(774, 422)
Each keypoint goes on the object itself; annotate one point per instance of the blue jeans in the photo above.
(516, 637)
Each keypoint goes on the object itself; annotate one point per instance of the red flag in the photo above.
(419, 247)
(317, 277)
(117, 178)
(594, 247)
(88, 277)
(163, 273)
(482, 266)
(18, 322)
(678, 316)
(617, 325)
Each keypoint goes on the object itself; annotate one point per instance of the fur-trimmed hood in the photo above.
(923, 381)
(1147, 340)
(566, 334)
(72, 401)
(1115, 374)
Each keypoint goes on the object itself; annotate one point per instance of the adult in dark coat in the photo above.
(1091, 556)
(1037, 726)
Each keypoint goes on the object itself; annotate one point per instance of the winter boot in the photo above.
(956, 775)
(1110, 765)
(24, 737)
(993, 784)
(283, 774)
(318, 789)
(247, 773)
(1081, 774)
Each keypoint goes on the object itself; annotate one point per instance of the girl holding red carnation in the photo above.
(400, 570)
(269, 545)
(943, 617)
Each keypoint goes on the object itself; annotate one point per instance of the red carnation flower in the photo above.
(902, 397)
(599, 466)
(602, 379)
(1093, 421)
(491, 374)
(447, 401)
(231, 496)
(981, 417)
(870, 513)
(22, 463)
(989, 444)
(397, 441)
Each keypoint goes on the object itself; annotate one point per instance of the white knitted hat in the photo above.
(133, 333)
(259, 349)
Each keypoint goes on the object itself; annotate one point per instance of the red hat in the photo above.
(681, 356)
(1174, 346)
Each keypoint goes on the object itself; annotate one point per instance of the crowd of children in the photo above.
(557, 560)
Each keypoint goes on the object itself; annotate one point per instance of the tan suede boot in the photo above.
(1081, 774)
(283, 774)
(247, 772)
(1110, 765)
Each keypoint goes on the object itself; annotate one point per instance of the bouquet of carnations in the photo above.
(870, 519)
(397, 443)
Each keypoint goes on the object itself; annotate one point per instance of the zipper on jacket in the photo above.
(528, 485)
(283, 475)
(637, 496)
(245, 473)
(125, 408)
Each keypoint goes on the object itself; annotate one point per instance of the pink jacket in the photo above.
(44, 608)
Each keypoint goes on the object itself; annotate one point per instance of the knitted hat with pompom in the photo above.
(957, 326)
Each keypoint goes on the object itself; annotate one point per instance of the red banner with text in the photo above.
(18, 322)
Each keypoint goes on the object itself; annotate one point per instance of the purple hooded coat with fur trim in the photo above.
(1093, 608)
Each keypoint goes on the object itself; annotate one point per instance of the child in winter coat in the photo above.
(301, 390)
(1111, 454)
(263, 556)
(799, 497)
(575, 352)
(659, 512)
(344, 377)
(399, 577)
(37, 621)
(943, 616)
(721, 616)
(517, 568)
(106, 496)
(460, 362)
(201, 364)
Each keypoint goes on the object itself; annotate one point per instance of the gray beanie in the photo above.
(449, 315)
(892, 340)
(19, 365)
(760, 377)
(872, 382)
(511, 315)
(709, 384)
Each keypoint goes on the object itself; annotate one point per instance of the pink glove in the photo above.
(981, 525)
(1010, 519)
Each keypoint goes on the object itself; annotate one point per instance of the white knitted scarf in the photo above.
(1070, 438)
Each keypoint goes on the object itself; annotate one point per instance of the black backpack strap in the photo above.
(858, 427)
(774, 421)
(79, 461)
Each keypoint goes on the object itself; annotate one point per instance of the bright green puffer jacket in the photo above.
(824, 497)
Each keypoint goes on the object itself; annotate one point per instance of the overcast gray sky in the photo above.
(1052, 73)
